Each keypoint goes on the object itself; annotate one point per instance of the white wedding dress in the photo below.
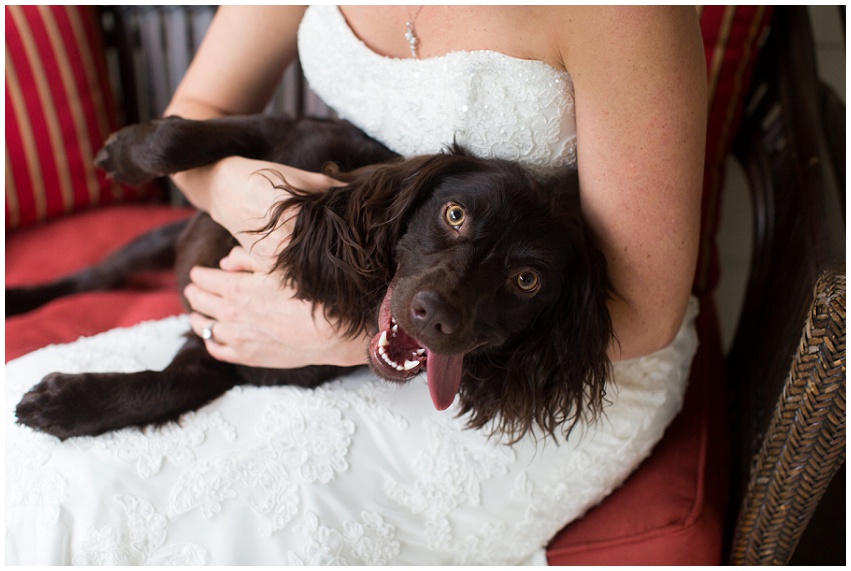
(359, 471)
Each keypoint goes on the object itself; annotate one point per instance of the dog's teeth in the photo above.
(394, 329)
(388, 360)
(419, 352)
(410, 365)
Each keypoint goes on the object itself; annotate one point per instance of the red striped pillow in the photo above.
(59, 110)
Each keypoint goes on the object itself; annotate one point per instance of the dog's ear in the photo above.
(343, 240)
(374, 206)
(386, 194)
(571, 351)
(557, 374)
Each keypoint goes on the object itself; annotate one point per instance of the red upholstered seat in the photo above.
(59, 110)
(671, 510)
(41, 252)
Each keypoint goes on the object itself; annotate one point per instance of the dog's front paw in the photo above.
(61, 405)
(127, 155)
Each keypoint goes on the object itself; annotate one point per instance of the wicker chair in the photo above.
(787, 363)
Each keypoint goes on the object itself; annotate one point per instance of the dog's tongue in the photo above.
(444, 378)
(443, 371)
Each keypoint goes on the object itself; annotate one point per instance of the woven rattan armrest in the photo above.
(787, 363)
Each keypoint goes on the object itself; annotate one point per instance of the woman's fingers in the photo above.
(217, 337)
(205, 293)
(239, 260)
(206, 328)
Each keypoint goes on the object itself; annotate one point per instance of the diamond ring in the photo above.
(207, 334)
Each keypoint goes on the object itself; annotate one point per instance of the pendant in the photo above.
(412, 38)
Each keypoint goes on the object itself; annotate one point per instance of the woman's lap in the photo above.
(359, 471)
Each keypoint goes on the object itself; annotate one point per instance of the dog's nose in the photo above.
(430, 312)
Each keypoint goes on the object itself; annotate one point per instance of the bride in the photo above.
(359, 471)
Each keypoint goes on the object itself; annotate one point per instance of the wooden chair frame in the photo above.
(787, 362)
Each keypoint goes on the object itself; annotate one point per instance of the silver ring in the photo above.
(207, 333)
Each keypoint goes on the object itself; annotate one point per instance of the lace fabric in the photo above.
(358, 471)
(492, 104)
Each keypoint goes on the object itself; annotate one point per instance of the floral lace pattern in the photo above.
(358, 471)
(449, 473)
(143, 542)
(369, 541)
(492, 104)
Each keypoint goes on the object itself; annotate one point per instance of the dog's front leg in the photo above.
(139, 153)
(67, 405)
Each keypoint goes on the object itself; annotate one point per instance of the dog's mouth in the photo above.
(398, 356)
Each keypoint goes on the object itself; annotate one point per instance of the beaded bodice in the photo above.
(492, 104)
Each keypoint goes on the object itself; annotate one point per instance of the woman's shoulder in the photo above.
(583, 33)
(559, 35)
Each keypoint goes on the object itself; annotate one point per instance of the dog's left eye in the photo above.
(528, 282)
(455, 215)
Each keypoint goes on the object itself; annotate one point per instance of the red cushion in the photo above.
(59, 110)
(67, 244)
(671, 510)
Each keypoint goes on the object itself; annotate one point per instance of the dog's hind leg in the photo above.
(153, 250)
(67, 405)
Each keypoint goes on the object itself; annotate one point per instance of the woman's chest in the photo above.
(438, 30)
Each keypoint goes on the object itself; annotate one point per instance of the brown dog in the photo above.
(466, 268)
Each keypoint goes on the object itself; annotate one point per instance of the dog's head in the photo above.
(498, 294)
(495, 288)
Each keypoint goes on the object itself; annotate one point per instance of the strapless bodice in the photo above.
(493, 104)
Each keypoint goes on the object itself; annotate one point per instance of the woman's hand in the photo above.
(239, 194)
(257, 321)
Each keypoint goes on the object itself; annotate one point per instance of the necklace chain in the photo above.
(410, 34)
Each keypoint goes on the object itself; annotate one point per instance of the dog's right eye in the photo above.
(527, 281)
(455, 215)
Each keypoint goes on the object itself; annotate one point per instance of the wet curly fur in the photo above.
(533, 359)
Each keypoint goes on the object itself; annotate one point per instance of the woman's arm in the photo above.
(240, 61)
(640, 84)
(258, 321)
